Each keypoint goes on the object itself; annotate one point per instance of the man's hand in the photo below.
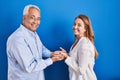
(57, 56)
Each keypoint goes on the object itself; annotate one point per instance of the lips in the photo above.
(75, 30)
(34, 25)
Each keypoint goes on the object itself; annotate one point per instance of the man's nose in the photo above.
(35, 21)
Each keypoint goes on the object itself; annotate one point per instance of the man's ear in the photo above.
(24, 17)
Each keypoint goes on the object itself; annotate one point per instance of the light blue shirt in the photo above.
(25, 51)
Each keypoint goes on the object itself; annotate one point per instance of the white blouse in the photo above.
(81, 61)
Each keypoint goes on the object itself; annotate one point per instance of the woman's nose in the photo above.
(75, 26)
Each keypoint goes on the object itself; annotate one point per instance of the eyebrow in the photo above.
(34, 16)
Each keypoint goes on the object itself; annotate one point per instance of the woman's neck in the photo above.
(79, 37)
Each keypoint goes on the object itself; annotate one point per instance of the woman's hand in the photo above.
(64, 52)
(57, 56)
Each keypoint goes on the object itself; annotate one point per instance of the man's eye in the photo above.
(38, 19)
(31, 17)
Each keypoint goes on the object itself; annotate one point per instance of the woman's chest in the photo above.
(74, 54)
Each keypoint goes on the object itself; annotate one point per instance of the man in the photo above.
(25, 49)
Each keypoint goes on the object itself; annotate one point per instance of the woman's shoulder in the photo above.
(85, 42)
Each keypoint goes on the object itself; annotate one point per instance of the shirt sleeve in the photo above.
(26, 59)
(45, 52)
(83, 55)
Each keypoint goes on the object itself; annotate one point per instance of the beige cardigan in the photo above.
(81, 61)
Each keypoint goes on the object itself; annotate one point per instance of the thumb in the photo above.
(63, 49)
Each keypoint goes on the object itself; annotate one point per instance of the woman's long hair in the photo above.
(89, 32)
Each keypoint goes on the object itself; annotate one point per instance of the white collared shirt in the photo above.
(81, 61)
(25, 51)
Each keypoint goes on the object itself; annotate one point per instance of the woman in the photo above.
(82, 54)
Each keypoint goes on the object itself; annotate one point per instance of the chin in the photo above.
(34, 29)
(75, 34)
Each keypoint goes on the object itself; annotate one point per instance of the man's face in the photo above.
(32, 19)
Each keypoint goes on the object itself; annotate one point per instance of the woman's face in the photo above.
(79, 28)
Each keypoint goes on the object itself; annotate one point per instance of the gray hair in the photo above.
(26, 9)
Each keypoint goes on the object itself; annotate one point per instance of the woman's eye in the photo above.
(79, 25)
(74, 24)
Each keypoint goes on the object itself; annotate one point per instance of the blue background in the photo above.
(55, 30)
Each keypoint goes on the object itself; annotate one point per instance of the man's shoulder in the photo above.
(17, 34)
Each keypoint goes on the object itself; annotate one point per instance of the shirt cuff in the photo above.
(49, 61)
(67, 60)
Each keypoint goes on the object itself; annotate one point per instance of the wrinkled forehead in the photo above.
(34, 11)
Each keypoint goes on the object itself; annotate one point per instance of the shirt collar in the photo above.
(29, 31)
